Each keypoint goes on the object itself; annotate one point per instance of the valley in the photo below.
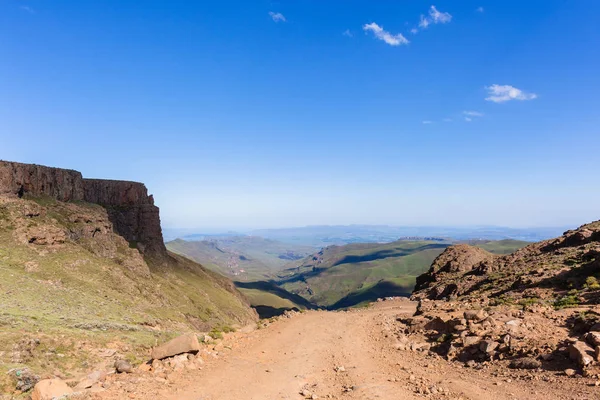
(95, 306)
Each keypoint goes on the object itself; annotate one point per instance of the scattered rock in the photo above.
(593, 338)
(570, 372)
(123, 366)
(90, 380)
(475, 315)
(25, 379)
(578, 352)
(182, 344)
(525, 363)
(49, 389)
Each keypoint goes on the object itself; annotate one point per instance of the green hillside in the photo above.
(335, 272)
(69, 285)
(344, 276)
(243, 258)
(506, 246)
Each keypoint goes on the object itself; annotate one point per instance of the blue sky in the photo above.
(247, 114)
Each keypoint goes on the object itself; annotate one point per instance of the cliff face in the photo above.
(61, 184)
(131, 210)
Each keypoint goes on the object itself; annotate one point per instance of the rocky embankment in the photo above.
(536, 309)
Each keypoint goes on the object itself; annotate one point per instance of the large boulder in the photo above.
(580, 352)
(48, 389)
(183, 344)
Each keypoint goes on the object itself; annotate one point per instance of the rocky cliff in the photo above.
(131, 210)
(61, 184)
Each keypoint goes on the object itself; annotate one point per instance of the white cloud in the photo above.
(502, 93)
(439, 17)
(480, 9)
(414, 31)
(427, 122)
(473, 113)
(28, 9)
(447, 119)
(348, 33)
(468, 119)
(277, 17)
(435, 17)
(381, 34)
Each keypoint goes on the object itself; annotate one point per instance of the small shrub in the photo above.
(592, 283)
(566, 302)
(529, 301)
(216, 334)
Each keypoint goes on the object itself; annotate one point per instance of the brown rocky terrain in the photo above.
(536, 309)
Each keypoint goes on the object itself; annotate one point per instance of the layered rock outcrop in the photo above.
(61, 184)
(130, 209)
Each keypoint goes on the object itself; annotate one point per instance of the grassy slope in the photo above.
(337, 271)
(66, 295)
(506, 246)
(259, 258)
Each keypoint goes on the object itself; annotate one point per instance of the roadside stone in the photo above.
(178, 362)
(488, 346)
(90, 380)
(593, 338)
(525, 363)
(48, 389)
(470, 340)
(578, 352)
(123, 366)
(475, 315)
(182, 344)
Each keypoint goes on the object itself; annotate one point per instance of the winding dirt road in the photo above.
(341, 355)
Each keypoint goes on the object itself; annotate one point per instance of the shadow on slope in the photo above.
(383, 288)
(271, 287)
(265, 312)
(387, 253)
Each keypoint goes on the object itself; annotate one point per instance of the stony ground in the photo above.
(338, 355)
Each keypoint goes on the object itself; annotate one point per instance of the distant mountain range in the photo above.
(325, 235)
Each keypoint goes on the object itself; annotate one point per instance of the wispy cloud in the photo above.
(277, 17)
(435, 17)
(473, 113)
(468, 119)
(347, 33)
(447, 120)
(480, 9)
(414, 31)
(503, 93)
(381, 34)
(28, 9)
(426, 122)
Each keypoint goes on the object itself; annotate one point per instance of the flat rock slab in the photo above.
(49, 389)
(183, 344)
